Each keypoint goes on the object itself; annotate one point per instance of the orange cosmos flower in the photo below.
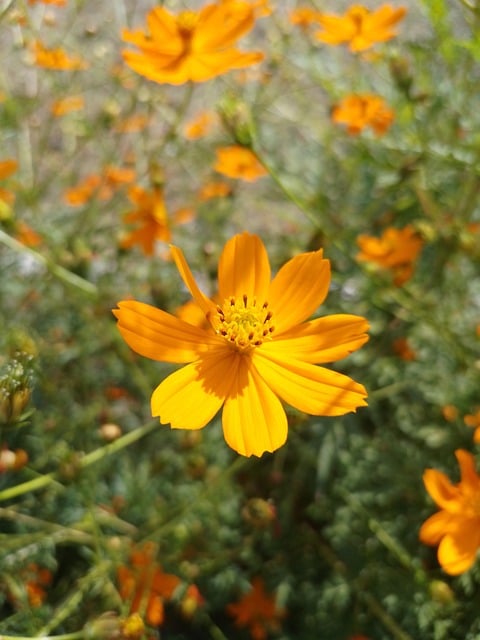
(396, 250)
(239, 162)
(303, 17)
(403, 350)
(360, 111)
(26, 235)
(147, 587)
(199, 126)
(258, 611)
(256, 348)
(56, 59)
(56, 3)
(262, 8)
(192, 46)
(360, 27)
(473, 420)
(67, 105)
(7, 167)
(35, 580)
(456, 527)
(151, 217)
(214, 189)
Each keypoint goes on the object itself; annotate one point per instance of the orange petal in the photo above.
(314, 390)
(457, 552)
(190, 397)
(441, 490)
(244, 269)
(298, 289)
(254, 420)
(221, 25)
(201, 299)
(322, 340)
(158, 335)
(469, 475)
(435, 527)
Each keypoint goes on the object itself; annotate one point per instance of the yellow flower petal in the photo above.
(201, 299)
(253, 419)
(435, 527)
(158, 335)
(220, 27)
(190, 397)
(457, 553)
(314, 390)
(322, 340)
(298, 289)
(244, 269)
(441, 490)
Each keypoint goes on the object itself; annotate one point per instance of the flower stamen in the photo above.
(243, 323)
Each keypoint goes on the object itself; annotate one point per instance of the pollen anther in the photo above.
(243, 323)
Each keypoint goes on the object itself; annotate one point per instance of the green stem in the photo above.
(86, 461)
(59, 272)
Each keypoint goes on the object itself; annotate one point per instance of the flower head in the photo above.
(192, 46)
(151, 217)
(359, 27)
(360, 111)
(56, 59)
(239, 162)
(396, 250)
(456, 527)
(7, 168)
(256, 348)
(257, 610)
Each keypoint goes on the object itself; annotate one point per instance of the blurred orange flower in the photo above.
(56, 59)
(132, 124)
(147, 587)
(57, 3)
(200, 125)
(258, 611)
(404, 350)
(304, 16)
(12, 460)
(456, 527)
(151, 219)
(214, 189)
(7, 167)
(67, 105)
(450, 412)
(473, 420)
(35, 580)
(396, 250)
(262, 8)
(360, 27)
(360, 111)
(256, 348)
(191, 46)
(26, 235)
(239, 162)
(101, 186)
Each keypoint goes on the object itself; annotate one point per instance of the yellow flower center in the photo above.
(243, 323)
(186, 23)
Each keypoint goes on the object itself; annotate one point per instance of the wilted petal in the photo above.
(322, 340)
(298, 289)
(254, 420)
(158, 335)
(314, 390)
(244, 269)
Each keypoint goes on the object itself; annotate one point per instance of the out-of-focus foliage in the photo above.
(328, 524)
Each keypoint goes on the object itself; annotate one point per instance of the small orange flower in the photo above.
(67, 105)
(192, 46)
(404, 350)
(450, 412)
(258, 611)
(151, 217)
(396, 250)
(132, 124)
(360, 111)
(239, 162)
(360, 27)
(26, 235)
(147, 587)
(101, 186)
(456, 527)
(199, 126)
(303, 17)
(473, 420)
(35, 580)
(7, 167)
(56, 3)
(214, 189)
(56, 59)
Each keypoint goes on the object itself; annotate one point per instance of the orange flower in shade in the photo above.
(360, 111)
(256, 348)
(239, 162)
(359, 27)
(147, 587)
(403, 350)
(56, 59)
(192, 46)
(67, 105)
(26, 235)
(214, 189)
(303, 17)
(35, 580)
(396, 250)
(151, 219)
(450, 412)
(7, 167)
(257, 610)
(200, 125)
(473, 420)
(456, 527)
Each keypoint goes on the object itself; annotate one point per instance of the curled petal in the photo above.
(160, 336)
(299, 288)
(322, 340)
(435, 527)
(244, 268)
(441, 490)
(314, 390)
(469, 475)
(254, 420)
(457, 552)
